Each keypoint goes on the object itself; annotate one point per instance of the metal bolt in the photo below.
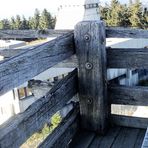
(87, 37)
(89, 101)
(88, 66)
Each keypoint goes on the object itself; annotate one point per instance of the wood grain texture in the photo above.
(21, 68)
(7, 53)
(144, 136)
(127, 58)
(127, 121)
(121, 32)
(107, 140)
(17, 130)
(134, 95)
(63, 134)
(26, 34)
(126, 138)
(90, 48)
(82, 139)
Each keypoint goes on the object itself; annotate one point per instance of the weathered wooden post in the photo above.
(90, 43)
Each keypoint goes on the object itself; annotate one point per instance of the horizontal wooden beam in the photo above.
(16, 131)
(19, 69)
(121, 32)
(27, 34)
(125, 95)
(127, 58)
(63, 134)
(7, 53)
(128, 121)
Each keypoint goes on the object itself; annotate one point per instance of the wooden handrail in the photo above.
(126, 95)
(21, 68)
(122, 32)
(27, 34)
(127, 58)
(14, 132)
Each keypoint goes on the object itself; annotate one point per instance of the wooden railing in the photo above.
(89, 41)
(131, 58)
(21, 68)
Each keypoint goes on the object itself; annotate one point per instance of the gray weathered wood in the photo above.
(126, 138)
(7, 53)
(63, 134)
(26, 34)
(82, 140)
(128, 121)
(134, 95)
(145, 140)
(14, 132)
(107, 140)
(21, 68)
(139, 139)
(127, 58)
(120, 32)
(90, 48)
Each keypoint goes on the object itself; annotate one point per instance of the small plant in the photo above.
(40, 136)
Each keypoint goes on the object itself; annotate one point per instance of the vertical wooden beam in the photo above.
(90, 43)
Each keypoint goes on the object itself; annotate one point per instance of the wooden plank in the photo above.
(82, 140)
(140, 138)
(21, 68)
(126, 95)
(127, 58)
(129, 121)
(121, 32)
(63, 134)
(90, 49)
(107, 140)
(145, 140)
(14, 132)
(126, 138)
(7, 53)
(26, 34)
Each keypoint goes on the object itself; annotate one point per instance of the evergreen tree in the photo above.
(145, 16)
(116, 14)
(35, 20)
(45, 20)
(18, 22)
(25, 24)
(12, 23)
(4, 24)
(136, 15)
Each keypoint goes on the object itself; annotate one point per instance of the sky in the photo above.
(9, 8)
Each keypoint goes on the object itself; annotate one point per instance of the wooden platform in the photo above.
(117, 137)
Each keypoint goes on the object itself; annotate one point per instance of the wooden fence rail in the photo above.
(27, 34)
(121, 32)
(14, 132)
(127, 58)
(110, 32)
(21, 68)
(125, 95)
(129, 121)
